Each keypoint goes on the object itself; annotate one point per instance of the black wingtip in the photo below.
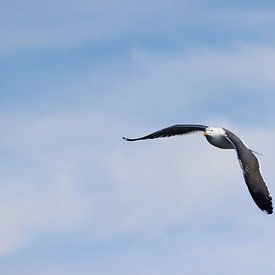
(266, 205)
(131, 139)
(269, 211)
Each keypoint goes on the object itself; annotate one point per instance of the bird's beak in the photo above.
(205, 133)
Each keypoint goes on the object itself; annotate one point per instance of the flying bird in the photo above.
(224, 139)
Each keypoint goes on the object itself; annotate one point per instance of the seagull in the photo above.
(225, 139)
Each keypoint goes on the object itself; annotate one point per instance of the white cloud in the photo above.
(179, 201)
(187, 85)
(28, 213)
(73, 172)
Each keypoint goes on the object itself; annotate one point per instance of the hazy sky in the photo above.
(76, 76)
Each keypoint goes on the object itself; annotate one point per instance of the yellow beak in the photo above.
(205, 133)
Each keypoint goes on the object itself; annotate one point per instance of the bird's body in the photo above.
(224, 139)
(216, 137)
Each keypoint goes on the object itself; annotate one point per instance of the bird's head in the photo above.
(213, 132)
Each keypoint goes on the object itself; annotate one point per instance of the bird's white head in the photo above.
(214, 132)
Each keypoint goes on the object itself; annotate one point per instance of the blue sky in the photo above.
(75, 77)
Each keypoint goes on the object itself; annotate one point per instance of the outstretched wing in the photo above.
(252, 175)
(178, 129)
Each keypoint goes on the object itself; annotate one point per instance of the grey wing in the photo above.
(178, 129)
(252, 174)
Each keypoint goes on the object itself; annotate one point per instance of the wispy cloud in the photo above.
(193, 83)
(66, 24)
(148, 188)
(77, 76)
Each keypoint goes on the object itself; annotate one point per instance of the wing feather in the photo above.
(252, 174)
(178, 129)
